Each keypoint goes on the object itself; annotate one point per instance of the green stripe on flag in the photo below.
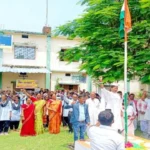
(121, 29)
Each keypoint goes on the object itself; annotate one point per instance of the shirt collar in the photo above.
(107, 127)
(81, 104)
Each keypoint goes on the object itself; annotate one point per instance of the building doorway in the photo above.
(69, 87)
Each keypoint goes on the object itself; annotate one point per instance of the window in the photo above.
(25, 36)
(70, 87)
(78, 78)
(61, 54)
(22, 52)
(68, 74)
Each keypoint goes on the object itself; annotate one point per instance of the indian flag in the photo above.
(125, 20)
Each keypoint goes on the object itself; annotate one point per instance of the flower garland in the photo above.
(134, 146)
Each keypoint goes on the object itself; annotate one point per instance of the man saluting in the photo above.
(113, 103)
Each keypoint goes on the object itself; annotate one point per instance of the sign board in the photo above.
(5, 41)
(26, 84)
(78, 78)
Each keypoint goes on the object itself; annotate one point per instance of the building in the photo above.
(67, 75)
(33, 61)
(24, 64)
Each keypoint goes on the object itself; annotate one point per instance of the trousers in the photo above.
(4, 126)
(14, 125)
(143, 126)
(148, 127)
(79, 128)
(70, 124)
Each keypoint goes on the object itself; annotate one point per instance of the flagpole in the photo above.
(125, 79)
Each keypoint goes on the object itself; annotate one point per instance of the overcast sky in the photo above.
(29, 15)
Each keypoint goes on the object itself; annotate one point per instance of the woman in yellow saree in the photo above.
(39, 128)
(55, 110)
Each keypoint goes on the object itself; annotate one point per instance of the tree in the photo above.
(57, 86)
(101, 49)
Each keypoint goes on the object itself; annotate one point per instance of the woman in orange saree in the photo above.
(54, 110)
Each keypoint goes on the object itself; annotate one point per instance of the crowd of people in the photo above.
(36, 111)
(80, 111)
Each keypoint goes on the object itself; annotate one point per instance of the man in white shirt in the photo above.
(22, 96)
(114, 103)
(66, 101)
(103, 136)
(94, 108)
(142, 107)
(147, 116)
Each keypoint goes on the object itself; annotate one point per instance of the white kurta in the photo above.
(5, 112)
(16, 114)
(113, 102)
(147, 112)
(141, 106)
(147, 116)
(130, 112)
(94, 110)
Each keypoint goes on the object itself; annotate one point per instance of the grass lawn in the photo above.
(44, 141)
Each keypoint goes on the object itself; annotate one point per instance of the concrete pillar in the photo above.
(149, 89)
(89, 84)
(48, 75)
(0, 80)
(1, 58)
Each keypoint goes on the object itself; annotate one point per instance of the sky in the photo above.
(30, 15)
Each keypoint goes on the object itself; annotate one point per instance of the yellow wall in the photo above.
(7, 78)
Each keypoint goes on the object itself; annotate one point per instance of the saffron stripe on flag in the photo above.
(125, 20)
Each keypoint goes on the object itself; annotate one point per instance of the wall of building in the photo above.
(56, 45)
(39, 41)
(65, 80)
(58, 68)
(7, 78)
(134, 86)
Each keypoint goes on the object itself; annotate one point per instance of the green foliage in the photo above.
(101, 49)
(61, 56)
(67, 56)
(57, 86)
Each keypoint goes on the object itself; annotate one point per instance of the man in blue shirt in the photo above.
(80, 118)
